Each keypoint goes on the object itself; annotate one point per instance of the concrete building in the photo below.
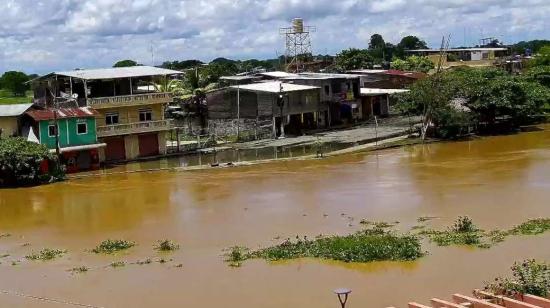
(10, 119)
(289, 108)
(130, 104)
(477, 56)
(73, 130)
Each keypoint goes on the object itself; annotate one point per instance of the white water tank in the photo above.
(298, 25)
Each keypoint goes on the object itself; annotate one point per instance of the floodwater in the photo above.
(498, 181)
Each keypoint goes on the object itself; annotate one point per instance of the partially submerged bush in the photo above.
(167, 245)
(464, 224)
(112, 246)
(46, 254)
(20, 162)
(532, 227)
(236, 255)
(529, 277)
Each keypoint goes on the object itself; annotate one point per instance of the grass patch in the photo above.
(529, 277)
(112, 246)
(79, 270)
(6, 97)
(365, 246)
(46, 254)
(166, 245)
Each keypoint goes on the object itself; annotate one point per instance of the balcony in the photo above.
(134, 128)
(130, 100)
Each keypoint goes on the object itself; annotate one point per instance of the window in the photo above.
(51, 131)
(81, 128)
(111, 118)
(327, 90)
(145, 115)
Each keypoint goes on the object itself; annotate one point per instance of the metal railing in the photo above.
(134, 128)
(129, 100)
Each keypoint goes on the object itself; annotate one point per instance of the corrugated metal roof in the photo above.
(13, 110)
(375, 91)
(118, 72)
(277, 74)
(48, 114)
(274, 87)
(461, 49)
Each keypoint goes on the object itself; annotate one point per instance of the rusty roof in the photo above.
(62, 113)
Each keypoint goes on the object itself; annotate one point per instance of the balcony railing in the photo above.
(130, 100)
(134, 128)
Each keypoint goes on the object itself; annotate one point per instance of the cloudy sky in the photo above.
(39, 36)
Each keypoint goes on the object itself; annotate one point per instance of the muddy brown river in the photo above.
(497, 181)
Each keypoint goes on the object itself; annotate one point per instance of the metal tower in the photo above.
(298, 43)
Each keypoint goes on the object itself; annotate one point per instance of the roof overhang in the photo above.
(80, 148)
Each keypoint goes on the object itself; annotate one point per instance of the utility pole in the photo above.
(281, 103)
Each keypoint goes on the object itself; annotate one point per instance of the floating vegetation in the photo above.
(529, 277)
(144, 262)
(179, 265)
(117, 264)
(2, 235)
(112, 246)
(46, 254)
(426, 218)
(4, 256)
(166, 245)
(464, 224)
(236, 255)
(378, 225)
(532, 227)
(79, 270)
(365, 246)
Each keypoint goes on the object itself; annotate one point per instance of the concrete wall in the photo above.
(9, 126)
(131, 143)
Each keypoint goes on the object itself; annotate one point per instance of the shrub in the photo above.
(112, 246)
(167, 245)
(20, 162)
(464, 224)
(529, 277)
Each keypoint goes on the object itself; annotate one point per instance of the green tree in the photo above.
(352, 58)
(412, 42)
(413, 63)
(542, 56)
(15, 82)
(125, 63)
(376, 42)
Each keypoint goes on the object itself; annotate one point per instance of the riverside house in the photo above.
(75, 135)
(130, 102)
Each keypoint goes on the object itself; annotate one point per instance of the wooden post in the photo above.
(71, 85)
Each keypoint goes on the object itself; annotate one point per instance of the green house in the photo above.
(76, 135)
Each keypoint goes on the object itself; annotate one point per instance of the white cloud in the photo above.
(40, 36)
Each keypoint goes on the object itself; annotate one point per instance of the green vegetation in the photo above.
(413, 63)
(532, 227)
(166, 245)
(364, 246)
(529, 277)
(144, 262)
(79, 270)
(126, 63)
(6, 97)
(15, 83)
(20, 162)
(111, 246)
(117, 264)
(474, 99)
(46, 254)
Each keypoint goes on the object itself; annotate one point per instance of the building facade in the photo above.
(130, 103)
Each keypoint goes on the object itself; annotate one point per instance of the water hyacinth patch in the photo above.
(45, 254)
(166, 245)
(112, 246)
(532, 227)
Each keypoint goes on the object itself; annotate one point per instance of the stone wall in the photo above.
(248, 129)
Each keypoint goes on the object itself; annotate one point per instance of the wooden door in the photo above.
(115, 149)
(148, 145)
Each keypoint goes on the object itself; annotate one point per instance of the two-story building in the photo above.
(130, 102)
(71, 131)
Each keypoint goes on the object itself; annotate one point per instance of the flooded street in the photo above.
(497, 181)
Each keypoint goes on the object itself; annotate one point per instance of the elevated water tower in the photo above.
(298, 44)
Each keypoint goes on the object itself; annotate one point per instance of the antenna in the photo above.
(298, 43)
(152, 54)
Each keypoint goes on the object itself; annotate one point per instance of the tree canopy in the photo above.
(125, 63)
(413, 63)
(412, 42)
(353, 58)
(376, 42)
(181, 65)
(15, 82)
(542, 56)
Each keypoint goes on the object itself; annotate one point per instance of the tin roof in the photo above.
(274, 87)
(375, 91)
(115, 72)
(13, 110)
(277, 74)
(461, 49)
(62, 113)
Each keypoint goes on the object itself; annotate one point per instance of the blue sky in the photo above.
(39, 36)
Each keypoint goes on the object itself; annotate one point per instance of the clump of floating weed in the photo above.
(112, 246)
(79, 270)
(236, 255)
(368, 245)
(532, 227)
(463, 232)
(418, 227)
(46, 254)
(166, 245)
(529, 277)
(464, 224)
(426, 218)
(117, 264)
(4, 235)
(144, 262)
(4, 256)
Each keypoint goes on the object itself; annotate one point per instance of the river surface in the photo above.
(497, 181)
